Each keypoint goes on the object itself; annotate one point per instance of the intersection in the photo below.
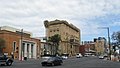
(84, 62)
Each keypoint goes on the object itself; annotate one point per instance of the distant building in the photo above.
(45, 48)
(87, 47)
(82, 49)
(100, 45)
(97, 47)
(30, 46)
(70, 36)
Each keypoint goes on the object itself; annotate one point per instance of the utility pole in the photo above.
(21, 43)
(108, 32)
(109, 40)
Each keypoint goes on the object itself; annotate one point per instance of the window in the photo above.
(27, 47)
(50, 30)
(57, 29)
(54, 30)
(23, 47)
(14, 46)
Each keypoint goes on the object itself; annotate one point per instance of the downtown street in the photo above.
(84, 62)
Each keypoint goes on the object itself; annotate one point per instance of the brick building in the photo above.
(30, 47)
(87, 47)
(82, 49)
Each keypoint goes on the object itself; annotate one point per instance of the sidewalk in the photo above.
(115, 58)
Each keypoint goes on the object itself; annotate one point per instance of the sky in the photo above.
(87, 15)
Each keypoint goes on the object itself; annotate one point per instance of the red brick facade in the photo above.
(11, 37)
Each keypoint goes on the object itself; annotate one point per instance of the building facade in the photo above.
(88, 47)
(19, 43)
(100, 45)
(44, 47)
(70, 36)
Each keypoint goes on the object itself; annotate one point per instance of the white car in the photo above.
(64, 57)
(101, 57)
(78, 55)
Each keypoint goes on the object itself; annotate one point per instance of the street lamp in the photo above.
(108, 32)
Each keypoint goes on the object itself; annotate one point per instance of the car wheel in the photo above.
(52, 64)
(60, 63)
(9, 63)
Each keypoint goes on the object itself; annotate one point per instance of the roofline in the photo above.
(48, 23)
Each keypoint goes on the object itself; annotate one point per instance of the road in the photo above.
(85, 62)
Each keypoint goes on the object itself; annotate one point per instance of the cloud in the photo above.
(85, 14)
(116, 24)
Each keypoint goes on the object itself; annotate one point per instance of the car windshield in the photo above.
(45, 58)
(50, 59)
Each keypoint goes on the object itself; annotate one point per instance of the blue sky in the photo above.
(87, 15)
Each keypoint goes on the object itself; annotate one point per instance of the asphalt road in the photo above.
(85, 62)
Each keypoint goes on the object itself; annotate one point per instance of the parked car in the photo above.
(5, 60)
(86, 54)
(78, 55)
(52, 61)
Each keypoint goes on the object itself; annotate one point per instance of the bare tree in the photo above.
(116, 36)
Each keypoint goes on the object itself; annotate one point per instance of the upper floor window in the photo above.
(50, 30)
(57, 29)
(54, 30)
